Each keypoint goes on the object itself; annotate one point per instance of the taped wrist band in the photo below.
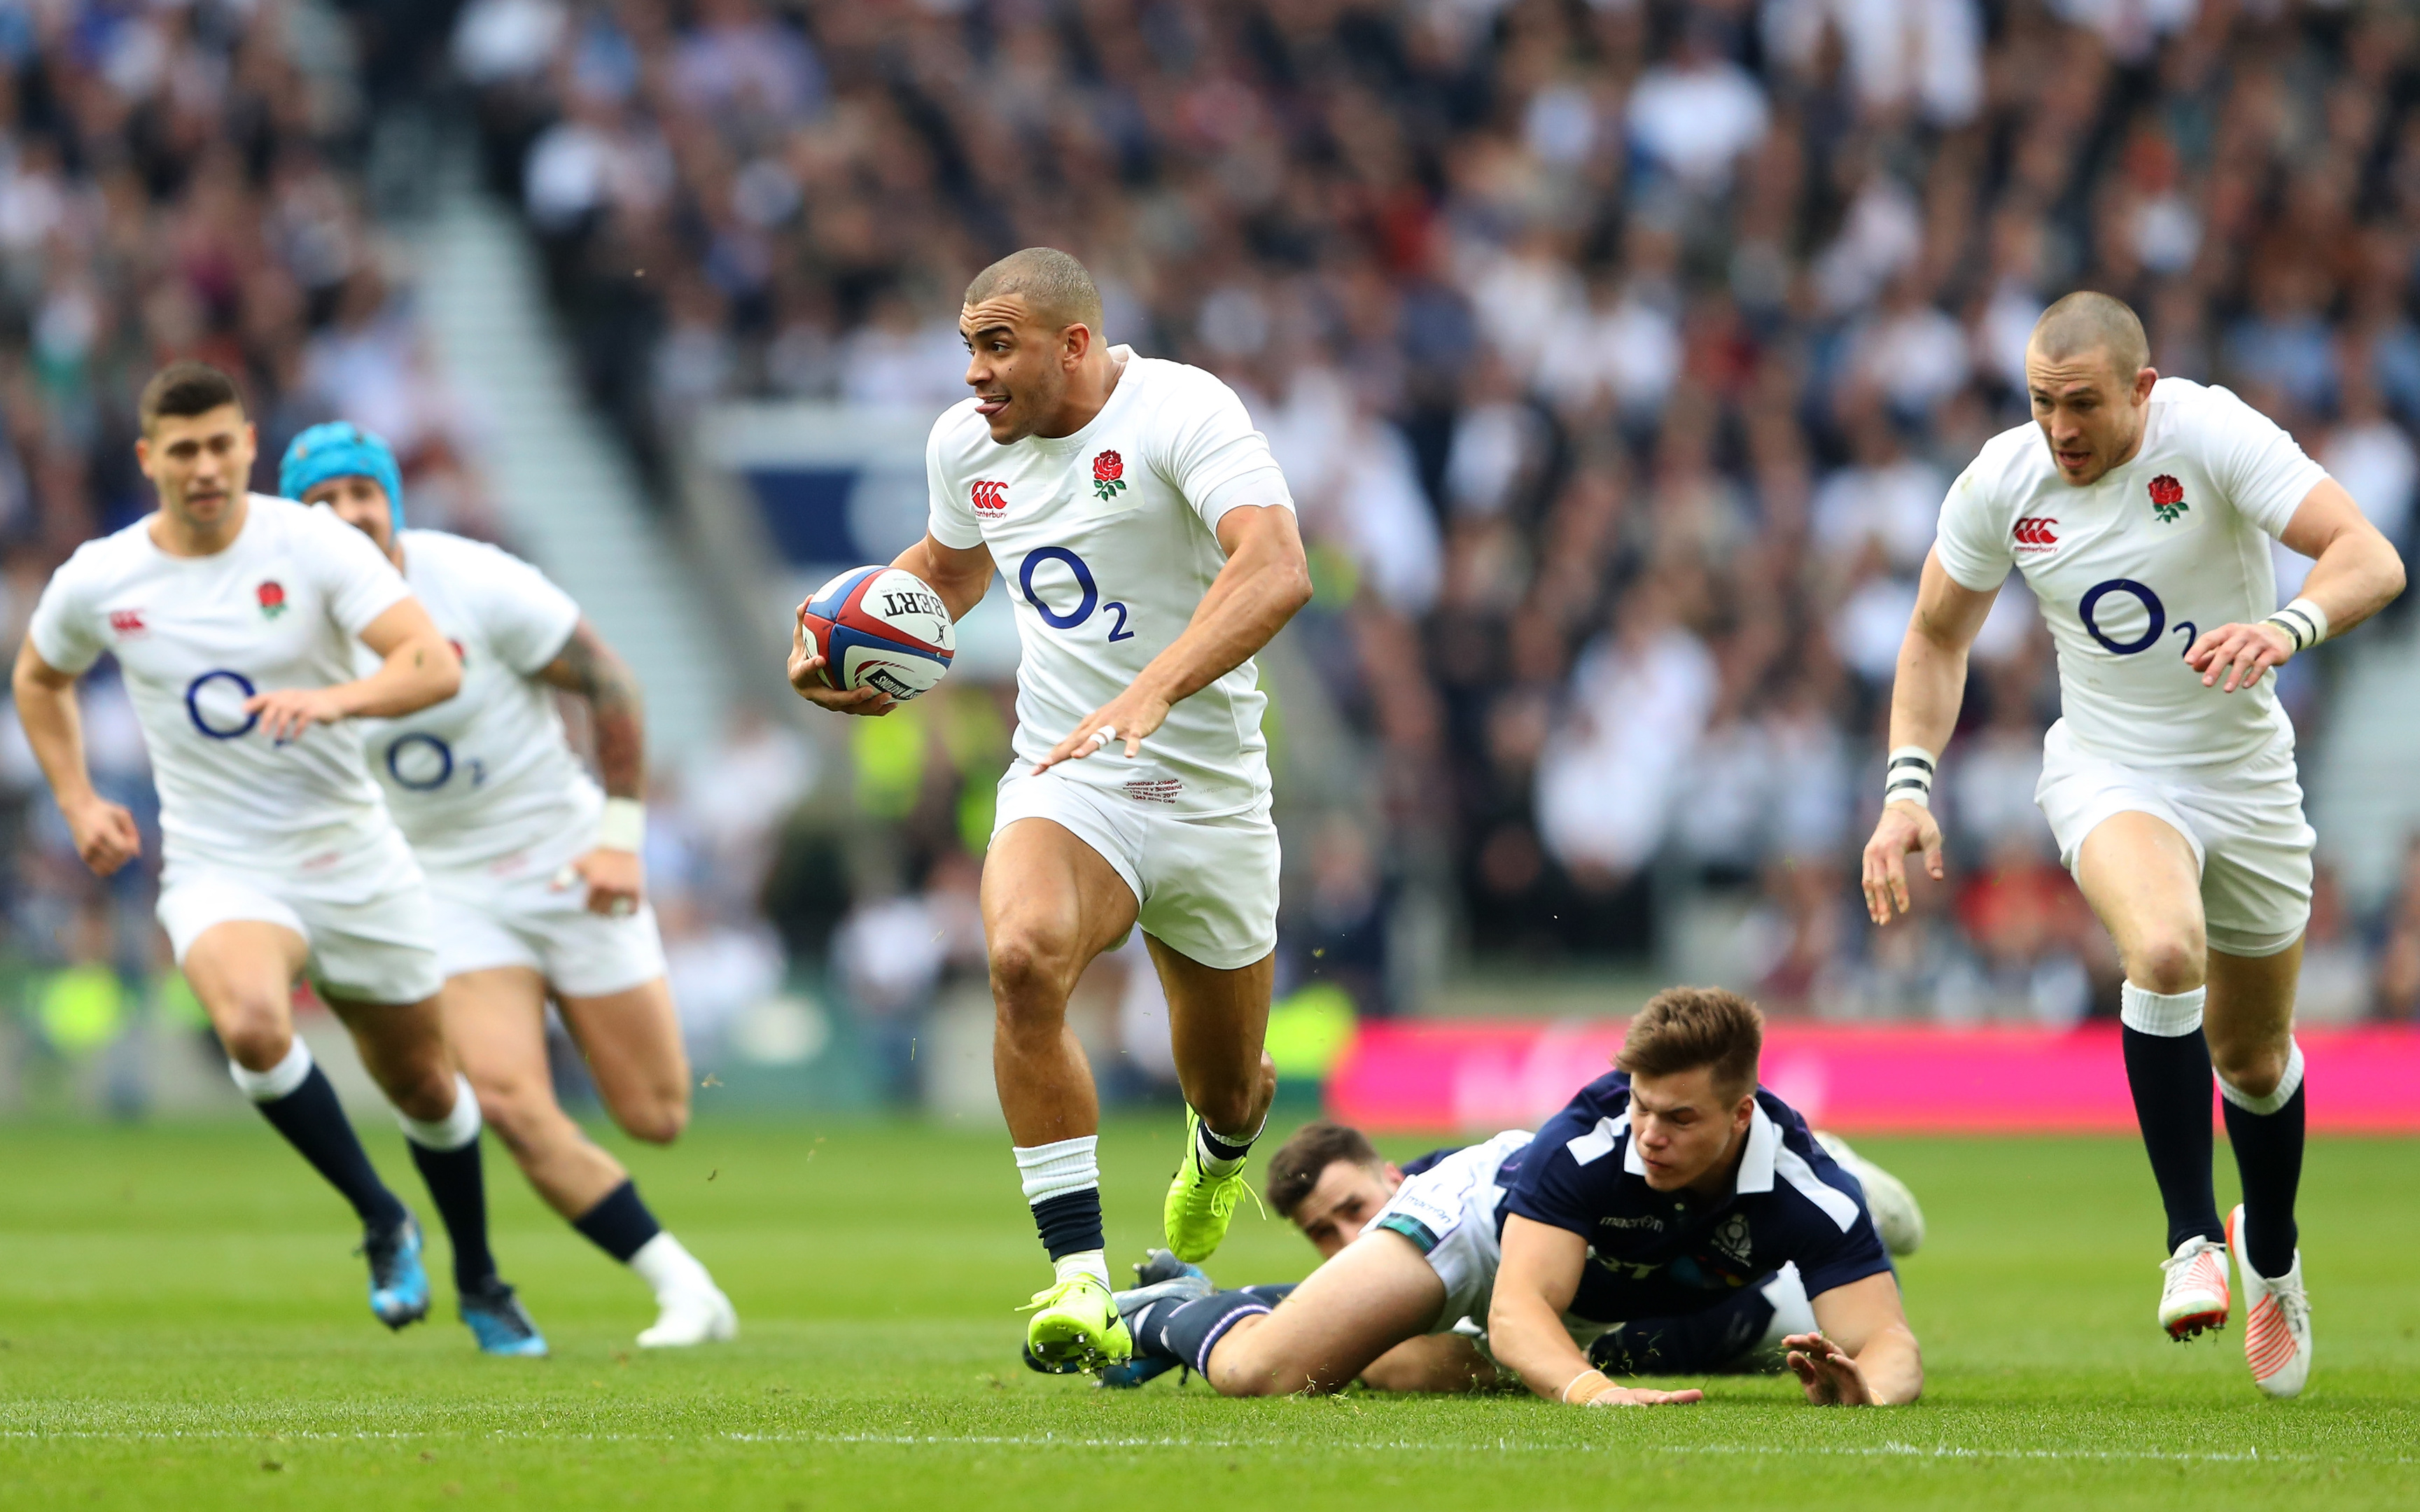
(2304, 622)
(1907, 777)
(1588, 1385)
(624, 826)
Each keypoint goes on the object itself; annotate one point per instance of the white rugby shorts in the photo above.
(2243, 820)
(1206, 888)
(511, 914)
(366, 920)
(1449, 1213)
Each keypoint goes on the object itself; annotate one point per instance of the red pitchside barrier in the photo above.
(1485, 1075)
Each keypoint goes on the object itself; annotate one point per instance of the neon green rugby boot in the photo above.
(1075, 1327)
(1200, 1205)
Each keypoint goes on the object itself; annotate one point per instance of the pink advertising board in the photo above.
(1483, 1075)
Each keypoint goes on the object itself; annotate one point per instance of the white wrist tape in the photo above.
(2303, 620)
(1907, 777)
(624, 826)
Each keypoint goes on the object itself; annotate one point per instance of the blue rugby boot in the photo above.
(1160, 1277)
(398, 1282)
(498, 1321)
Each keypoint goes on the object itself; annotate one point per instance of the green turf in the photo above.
(184, 1329)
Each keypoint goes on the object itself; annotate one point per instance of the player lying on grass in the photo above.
(1672, 1189)
(534, 873)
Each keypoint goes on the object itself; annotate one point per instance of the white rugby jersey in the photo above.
(281, 607)
(2133, 569)
(1107, 541)
(487, 776)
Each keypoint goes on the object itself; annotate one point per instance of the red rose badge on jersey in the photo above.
(2168, 498)
(273, 599)
(1109, 476)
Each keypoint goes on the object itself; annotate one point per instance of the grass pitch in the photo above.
(180, 1326)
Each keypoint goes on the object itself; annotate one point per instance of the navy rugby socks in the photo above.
(1063, 1186)
(1187, 1332)
(2267, 1134)
(2167, 1068)
(447, 1154)
(295, 1097)
(619, 1224)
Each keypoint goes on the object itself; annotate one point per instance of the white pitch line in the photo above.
(1049, 1440)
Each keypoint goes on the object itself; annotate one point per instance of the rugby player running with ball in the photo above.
(1150, 549)
(2137, 506)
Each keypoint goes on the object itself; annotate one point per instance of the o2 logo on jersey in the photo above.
(989, 497)
(218, 712)
(2155, 612)
(1090, 590)
(419, 762)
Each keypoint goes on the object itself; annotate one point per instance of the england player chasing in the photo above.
(2136, 507)
(235, 617)
(1674, 1218)
(534, 874)
(1150, 549)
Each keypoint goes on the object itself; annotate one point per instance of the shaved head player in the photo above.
(1150, 549)
(2137, 506)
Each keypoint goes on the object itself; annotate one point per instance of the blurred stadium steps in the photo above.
(2362, 799)
(565, 483)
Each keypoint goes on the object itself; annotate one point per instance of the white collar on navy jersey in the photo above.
(1756, 1161)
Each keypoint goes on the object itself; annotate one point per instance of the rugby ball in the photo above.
(879, 628)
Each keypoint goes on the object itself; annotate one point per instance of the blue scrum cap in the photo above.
(340, 449)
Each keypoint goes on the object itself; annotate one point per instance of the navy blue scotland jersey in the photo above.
(1663, 1253)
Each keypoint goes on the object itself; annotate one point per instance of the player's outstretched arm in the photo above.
(960, 575)
(419, 669)
(1540, 1273)
(1864, 1353)
(2355, 572)
(104, 832)
(591, 671)
(1267, 579)
(1925, 694)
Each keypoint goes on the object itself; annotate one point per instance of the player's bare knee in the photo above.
(655, 1120)
(2252, 1066)
(257, 1041)
(1029, 969)
(426, 1093)
(2168, 961)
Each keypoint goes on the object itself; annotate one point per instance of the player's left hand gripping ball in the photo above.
(869, 640)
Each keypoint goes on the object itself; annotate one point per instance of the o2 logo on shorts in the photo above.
(220, 716)
(1085, 605)
(2157, 613)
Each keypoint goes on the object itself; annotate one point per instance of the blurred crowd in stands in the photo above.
(1619, 352)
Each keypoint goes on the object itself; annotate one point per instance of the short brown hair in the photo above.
(185, 388)
(1298, 1163)
(1682, 1028)
(2088, 321)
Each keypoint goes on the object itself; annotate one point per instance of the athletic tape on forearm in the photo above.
(1907, 777)
(624, 828)
(2283, 1093)
(2303, 620)
(452, 1132)
(1590, 1384)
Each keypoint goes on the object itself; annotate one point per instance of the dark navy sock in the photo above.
(460, 1192)
(313, 1122)
(2170, 1079)
(2268, 1156)
(1149, 1324)
(1693, 1344)
(1070, 1224)
(1217, 1146)
(1188, 1333)
(619, 1224)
